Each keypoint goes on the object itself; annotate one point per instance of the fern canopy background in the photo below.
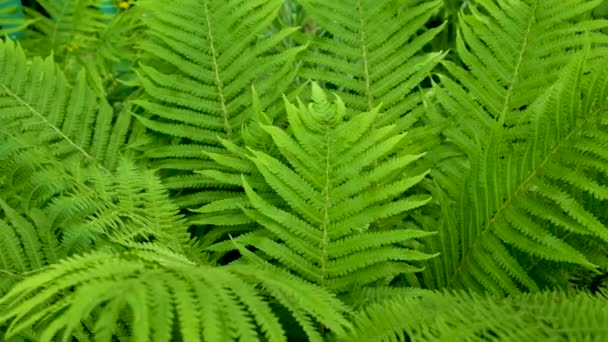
(295, 170)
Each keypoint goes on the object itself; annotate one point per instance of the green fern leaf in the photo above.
(152, 288)
(461, 316)
(39, 104)
(371, 52)
(211, 53)
(525, 195)
(330, 195)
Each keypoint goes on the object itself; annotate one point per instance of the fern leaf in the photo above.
(152, 285)
(60, 145)
(464, 316)
(214, 51)
(525, 195)
(39, 104)
(330, 195)
(371, 52)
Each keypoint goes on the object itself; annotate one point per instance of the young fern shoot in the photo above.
(331, 178)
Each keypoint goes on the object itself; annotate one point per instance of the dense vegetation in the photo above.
(345, 170)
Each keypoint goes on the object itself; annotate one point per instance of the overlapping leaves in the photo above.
(331, 179)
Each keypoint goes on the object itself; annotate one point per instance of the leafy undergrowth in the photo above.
(303, 170)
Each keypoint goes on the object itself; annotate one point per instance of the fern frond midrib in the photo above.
(13, 274)
(216, 73)
(520, 58)
(56, 22)
(49, 124)
(325, 241)
(523, 186)
(362, 38)
(501, 121)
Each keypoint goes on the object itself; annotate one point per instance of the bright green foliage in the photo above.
(84, 215)
(533, 133)
(38, 106)
(79, 35)
(546, 316)
(212, 53)
(156, 288)
(188, 188)
(335, 176)
(25, 246)
(370, 51)
(58, 195)
(224, 216)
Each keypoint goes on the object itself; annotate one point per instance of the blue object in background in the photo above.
(16, 14)
(107, 6)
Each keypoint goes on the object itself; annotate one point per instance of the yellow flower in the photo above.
(123, 5)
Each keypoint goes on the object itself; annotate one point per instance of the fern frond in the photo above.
(38, 105)
(330, 195)
(26, 246)
(162, 295)
(128, 205)
(372, 52)
(211, 53)
(526, 200)
(58, 145)
(513, 53)
(223, 216)
(547, 316)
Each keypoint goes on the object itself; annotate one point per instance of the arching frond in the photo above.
(128, 205)
(57, 144)
(39, 107)
(27, 244)
(82, 212)
(161, 296)
(547, 316)
(223, 217)
(525, 195)
(513, 52)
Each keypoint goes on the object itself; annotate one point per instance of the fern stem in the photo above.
(216, 68)
(12, 274)
(325, 240)
(60, 17)
(364, 52)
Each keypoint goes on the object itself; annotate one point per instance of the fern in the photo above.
(78, 35)
(55, 180)
(484, 174)
(331, 194)
(38, 105)
(158, 289)
(211, 53)
(26, 245)
(371, 53)
(527, 133)
(460, 316)
(223, 217)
